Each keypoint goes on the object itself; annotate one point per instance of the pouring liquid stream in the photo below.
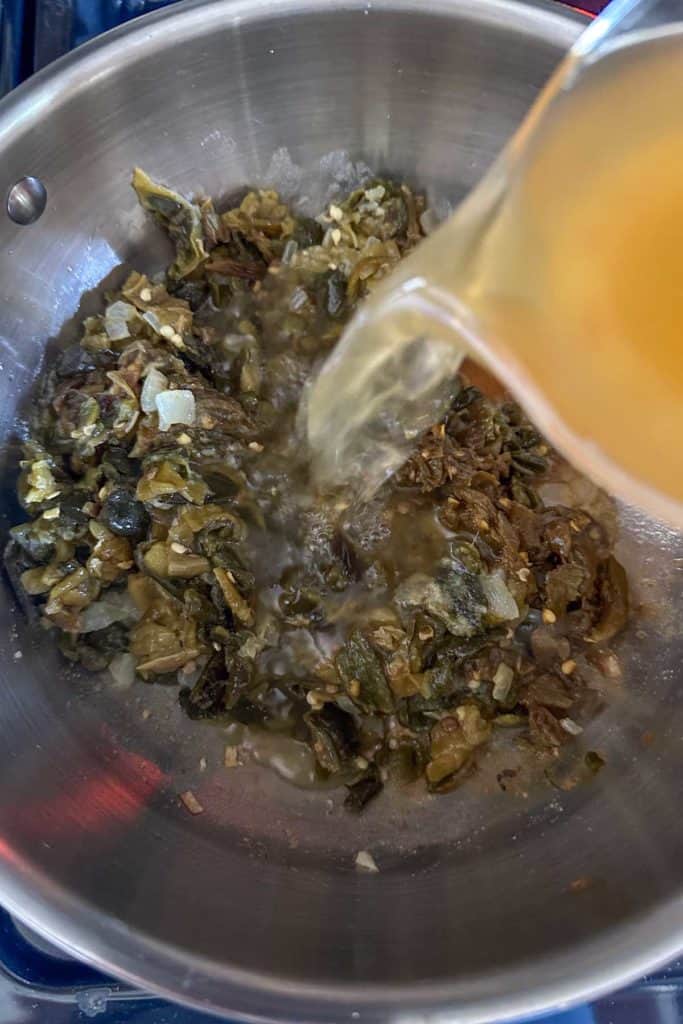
(562, 273)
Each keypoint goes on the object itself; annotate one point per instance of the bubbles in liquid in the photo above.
(378, 391)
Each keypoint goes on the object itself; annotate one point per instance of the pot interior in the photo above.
(255, 907)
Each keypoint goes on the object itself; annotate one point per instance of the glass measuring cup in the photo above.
(569, 294)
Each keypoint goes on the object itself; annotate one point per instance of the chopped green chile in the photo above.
(333, 737)
(366, 789)
(594, 762)
(124, 515)
(360, 668)
(173, 528)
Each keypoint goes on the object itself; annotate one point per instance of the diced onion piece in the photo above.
(299, 299)
(289, 251)
(155, 383)
(501, 604)
(502, 682)
(570, 726)
(375, 194)
(175, 407)
(122, 670)
(116, 320)
(576, 492)
(556, 493)
(153, 320)
(116, 606)
(366, 862)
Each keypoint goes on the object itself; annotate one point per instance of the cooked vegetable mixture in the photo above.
(174, 531)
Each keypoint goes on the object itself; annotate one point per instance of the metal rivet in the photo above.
(26, 200)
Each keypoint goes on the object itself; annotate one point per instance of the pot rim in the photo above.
(605, 963)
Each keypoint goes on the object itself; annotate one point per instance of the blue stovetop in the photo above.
(35, 32)
(39, 986)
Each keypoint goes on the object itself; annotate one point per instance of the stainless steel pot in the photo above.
(486, 905)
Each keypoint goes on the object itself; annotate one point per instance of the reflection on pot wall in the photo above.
(32, 38)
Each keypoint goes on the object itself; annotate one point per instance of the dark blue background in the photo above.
(34, 987)
(35, 32)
